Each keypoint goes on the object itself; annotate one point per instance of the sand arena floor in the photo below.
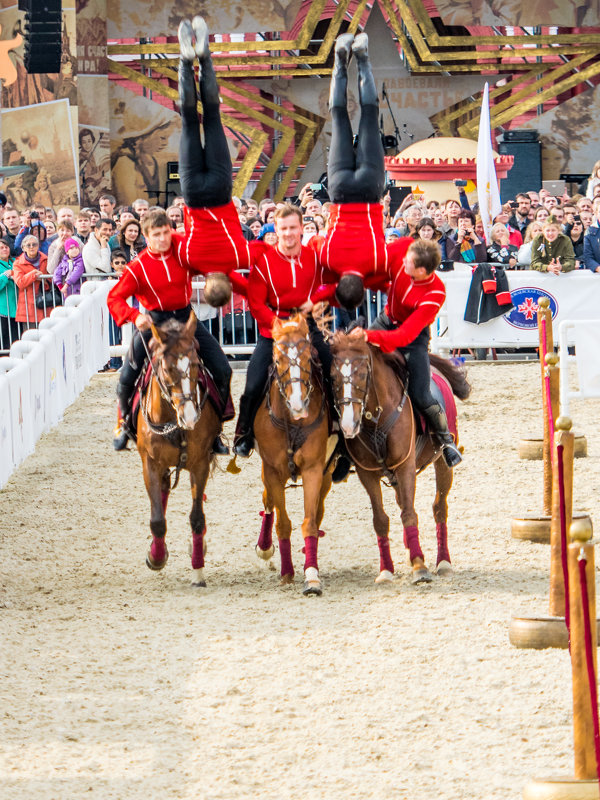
(122, 683)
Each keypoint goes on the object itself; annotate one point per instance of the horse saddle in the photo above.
(206, 383)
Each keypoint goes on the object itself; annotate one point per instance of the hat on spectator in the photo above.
(391, 232)
(71, 243)
(269, 228)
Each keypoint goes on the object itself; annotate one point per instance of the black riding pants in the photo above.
(417, 364)
(213, 357)
(356, 175)
(204, 170)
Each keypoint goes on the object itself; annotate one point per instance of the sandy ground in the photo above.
(117, 682)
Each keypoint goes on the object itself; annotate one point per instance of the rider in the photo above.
(162, 284)
(415, 296)
(282, 281)
(354, 247)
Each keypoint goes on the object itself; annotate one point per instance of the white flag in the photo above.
(488, 194)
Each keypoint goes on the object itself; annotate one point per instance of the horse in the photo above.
(291, 430)
(176, 428)
(378, 424)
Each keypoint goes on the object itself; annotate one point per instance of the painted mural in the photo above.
(564, 13)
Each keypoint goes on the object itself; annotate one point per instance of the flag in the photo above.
(488, 195)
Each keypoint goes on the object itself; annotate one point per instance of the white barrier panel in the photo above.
(586, 335)
(6, 443)
(17, 373)
(48, 370)
(574, 295)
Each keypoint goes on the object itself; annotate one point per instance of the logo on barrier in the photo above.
(525, 301)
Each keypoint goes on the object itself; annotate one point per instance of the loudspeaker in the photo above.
(43, 35)
(526, 172)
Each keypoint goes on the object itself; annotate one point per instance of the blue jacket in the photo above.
(591, 248)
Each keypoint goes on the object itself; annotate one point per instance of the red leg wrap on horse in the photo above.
(441, 530)
(285, 551)
(311, 544)
(411, 540)
(265, 539)
(164, 498)
(385, 558)
(157, 549)
(198, 550)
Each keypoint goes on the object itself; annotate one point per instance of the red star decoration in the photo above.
(528, 308)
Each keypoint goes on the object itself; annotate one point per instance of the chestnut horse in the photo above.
(291, 432)
(176, 429)
(377, 420)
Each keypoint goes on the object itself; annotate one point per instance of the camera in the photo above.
(576, 218)
(316, 187)
(34, 215)
(458, 182)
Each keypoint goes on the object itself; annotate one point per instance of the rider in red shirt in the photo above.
(282, 281)
(415, 296)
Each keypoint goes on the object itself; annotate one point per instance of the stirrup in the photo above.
(451, 454)
(244, 445)
(219, 447)
(120, 437)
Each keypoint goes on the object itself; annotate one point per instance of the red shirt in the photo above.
(412, 305)
(277, 283)
(214, 241)
(355, 241)
(159, 281)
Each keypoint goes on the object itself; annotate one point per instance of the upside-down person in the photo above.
(161, 282)
(354, 247)
(415, 296)
(282, 281)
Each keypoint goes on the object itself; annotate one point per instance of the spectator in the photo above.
(28, 270)
(96, 253)
(252, 210)
(574, 230)
(451, 211)
(129, 239)
(255, 224)
(67, 275)
(500, 250)
(35, 228)
(541, 214)
(535, 199)
(309, 227)
(513, 234)
(465, 245)
(126, 213)
(524, 254)
(179, 201)
(551, 250)
(118, 261)
(410, 219)
(141, 207)
(593, 181)
(175, 215)
(267, 234)
(9, 330)
(12, 224)
(107, 204)
(83, 226)
(56, 251)
(65, 213)
(50, 226)
(591, 246)
(520, 217)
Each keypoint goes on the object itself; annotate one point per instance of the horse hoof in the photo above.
(265, 555)
(385, 576)
(286, 580)
(156, 565)
(198, 578)
(421, 575)
(444, 569)
(312, 583)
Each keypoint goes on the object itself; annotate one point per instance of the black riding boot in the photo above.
(339, 76)
(438, 423)
(122, 431)
(344, 462)
(244, 433)
(367, 90)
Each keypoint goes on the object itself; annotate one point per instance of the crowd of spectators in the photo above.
(41, 246)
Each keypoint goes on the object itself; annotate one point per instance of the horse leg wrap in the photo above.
(411, 542)
(385, 558)
(157, 549)
(198, 550)
(285, 551)
(441, 530)
(311, 543)
(265, 539)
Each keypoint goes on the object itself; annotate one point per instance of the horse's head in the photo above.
(292, 359)
(351, 377)
(177, 364)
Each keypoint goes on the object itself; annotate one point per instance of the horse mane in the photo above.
(455, 375)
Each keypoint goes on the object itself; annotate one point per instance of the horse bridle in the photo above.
(305, 382)
(361, 397)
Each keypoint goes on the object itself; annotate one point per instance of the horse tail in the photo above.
(455, 375)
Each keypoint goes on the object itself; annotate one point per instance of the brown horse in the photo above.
(377, 420)
(176, 429)
(291, 432)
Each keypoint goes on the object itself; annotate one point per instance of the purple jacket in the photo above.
(69, 271)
